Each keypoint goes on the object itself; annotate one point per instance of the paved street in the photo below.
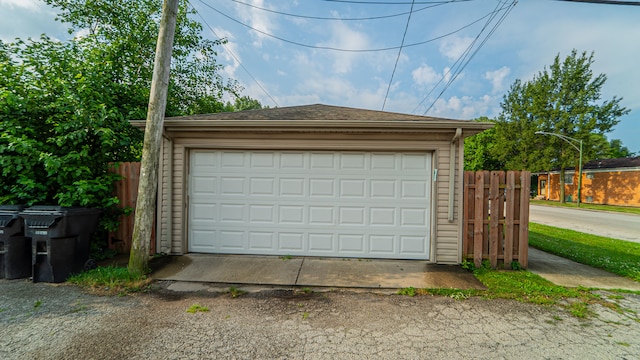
(614, 225)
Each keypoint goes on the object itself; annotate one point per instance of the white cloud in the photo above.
(425, 75)
(257, 19)
(454, 47)
(33, 5)
(497, 78)
(465, 107)
(344, 37)
(230, 55)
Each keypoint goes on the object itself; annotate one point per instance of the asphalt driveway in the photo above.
(45, 321)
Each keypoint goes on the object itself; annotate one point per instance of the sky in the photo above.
(454, 59)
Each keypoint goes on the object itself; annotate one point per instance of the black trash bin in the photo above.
(15, 248)
(60, 240)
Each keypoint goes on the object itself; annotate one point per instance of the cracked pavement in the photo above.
(44, 321)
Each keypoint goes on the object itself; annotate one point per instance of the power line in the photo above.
(398, 57)
(605, 2)
(340, 19)
(462, 66)
(465, 57)
(341, 49)
(392, 3)
(456, 65)
(234, 56)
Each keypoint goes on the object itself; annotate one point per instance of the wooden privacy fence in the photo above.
(496, 217)
(127, 191)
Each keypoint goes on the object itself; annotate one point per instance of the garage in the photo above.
(331, 203)
(313, 180)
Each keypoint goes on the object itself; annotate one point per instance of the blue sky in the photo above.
(531, 34)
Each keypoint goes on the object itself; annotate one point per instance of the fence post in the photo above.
(478, 220)
(523, 249)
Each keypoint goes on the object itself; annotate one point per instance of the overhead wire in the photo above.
(461, 68)
(234, 56)
(458, 62)
(341, 49)
(337, 18)
(391, 3)
(398, 57)
(464, 59)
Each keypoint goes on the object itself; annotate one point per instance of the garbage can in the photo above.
(15, 248)
(60, 240)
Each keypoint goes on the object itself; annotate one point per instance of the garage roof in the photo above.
(316, 117)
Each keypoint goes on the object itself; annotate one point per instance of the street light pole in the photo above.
(571, 141)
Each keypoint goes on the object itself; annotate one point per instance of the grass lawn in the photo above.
(616, 256)
(621, 209)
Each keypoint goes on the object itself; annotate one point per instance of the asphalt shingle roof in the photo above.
(310, 112)
(612, 163)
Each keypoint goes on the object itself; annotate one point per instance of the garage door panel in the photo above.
(292, 187)
(324, 243)
(352, 204)
(291, 242)
(351, 243)
(412, 244)
(351, 216)
(382, 217)
(260, 241)
(321, 215)
(232, 240)
(383, 245)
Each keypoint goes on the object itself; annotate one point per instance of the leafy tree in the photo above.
(59, 126)
(479, 150)
(126, 32)
(617, 150)
(565, 100)
(65, 106)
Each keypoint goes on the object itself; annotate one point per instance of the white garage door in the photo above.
(313, 203)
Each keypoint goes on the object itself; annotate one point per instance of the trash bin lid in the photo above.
(44, 210)
(11, 208)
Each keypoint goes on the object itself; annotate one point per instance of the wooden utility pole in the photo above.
(146, 203)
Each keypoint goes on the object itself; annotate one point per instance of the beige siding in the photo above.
(163, 242)
(178, 218)
(446, 236)
(448, 248)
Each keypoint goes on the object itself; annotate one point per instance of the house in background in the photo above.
(606, 181)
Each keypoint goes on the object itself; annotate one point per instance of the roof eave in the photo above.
(469, 127)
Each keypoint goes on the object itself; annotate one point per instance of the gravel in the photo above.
(47, 321)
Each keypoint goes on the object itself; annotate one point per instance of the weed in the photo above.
(197, 308)
(111, 280)
(459, 295)
(305, 315)
(615, 297)
(408, 291)
(286, 257)
(235, 292)
(78, 307)
(580, 310)
(37, 304)
(2, 310)
(515, 265)
(306, 290)
(468, 265)
(623, 343)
